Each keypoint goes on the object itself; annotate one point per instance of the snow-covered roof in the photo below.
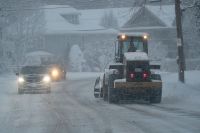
(38, 54)
(61, 9)
(89, 20)
(94, 15)
(135, 56)
(54, 20)
(166, 13)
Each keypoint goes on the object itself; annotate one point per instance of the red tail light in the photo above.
(145, 75)
(132, 75)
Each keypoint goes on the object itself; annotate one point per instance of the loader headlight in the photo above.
(21, 80)
(55, 73)
(46, 79)
(123, 36)
(145, 37)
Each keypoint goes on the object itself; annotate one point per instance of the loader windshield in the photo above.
(137, 43)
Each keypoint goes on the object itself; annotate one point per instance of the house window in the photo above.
(72, 18)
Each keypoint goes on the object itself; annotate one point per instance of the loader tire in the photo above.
(101, 93)
(105, 93)
(156, 96)
(112, 95)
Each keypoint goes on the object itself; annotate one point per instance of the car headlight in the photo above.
(21, 80)
(46, 79)
(55, 73)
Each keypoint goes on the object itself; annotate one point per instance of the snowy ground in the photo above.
(71, 108)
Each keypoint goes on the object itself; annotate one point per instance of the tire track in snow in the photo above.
(105, 112)
(70, 100)
(90, 112)
(172, 120)
(181, 112)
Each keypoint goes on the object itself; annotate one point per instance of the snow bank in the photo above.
(82, 75)
(134, 56)
(181, 95)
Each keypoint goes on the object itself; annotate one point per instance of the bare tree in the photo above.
(24, 25)
(197, 14)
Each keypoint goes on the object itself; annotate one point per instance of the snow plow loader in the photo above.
(131, 77)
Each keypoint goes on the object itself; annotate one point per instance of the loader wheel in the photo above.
(101, 93)
(156, 96)
(105, 93)
(112, 96)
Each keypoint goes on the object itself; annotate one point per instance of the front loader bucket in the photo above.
(134, 92)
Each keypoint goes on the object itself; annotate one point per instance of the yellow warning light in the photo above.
(145, 37)
(123, 37)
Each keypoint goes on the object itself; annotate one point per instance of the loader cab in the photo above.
(130, 43)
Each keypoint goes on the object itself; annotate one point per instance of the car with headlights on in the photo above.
(57, 72)
(31, 78)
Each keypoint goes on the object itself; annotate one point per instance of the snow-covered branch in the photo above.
(189, 6)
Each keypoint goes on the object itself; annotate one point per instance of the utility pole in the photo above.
(180, 46)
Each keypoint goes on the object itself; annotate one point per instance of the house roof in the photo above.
(89, 19)
(151, 17)
(165, 13)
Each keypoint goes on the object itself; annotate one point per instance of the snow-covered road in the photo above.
(72, 108)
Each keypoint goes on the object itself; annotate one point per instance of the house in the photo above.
(67, 26)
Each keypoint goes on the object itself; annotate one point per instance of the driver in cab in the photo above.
(131, 48)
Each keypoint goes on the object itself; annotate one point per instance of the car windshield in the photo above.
(33, 70)
(137, 43)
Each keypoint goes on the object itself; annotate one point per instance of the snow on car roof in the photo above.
(34, 58)
(39, 53)
(135, 56)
